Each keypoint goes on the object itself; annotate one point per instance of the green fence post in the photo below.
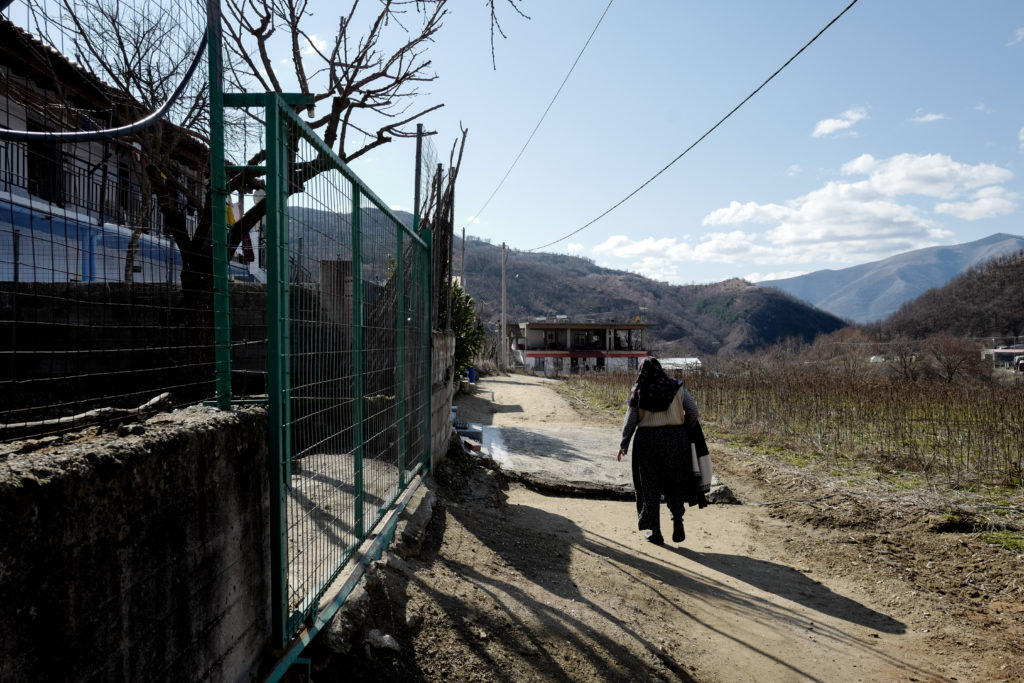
(218, 224)
(400, 365)
(357, 356)
(426, 281)
(277, 391)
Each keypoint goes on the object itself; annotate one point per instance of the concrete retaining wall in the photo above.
(140, 557)
(143, 554)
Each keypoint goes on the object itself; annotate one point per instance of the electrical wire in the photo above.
(701, 138)
(557, 93)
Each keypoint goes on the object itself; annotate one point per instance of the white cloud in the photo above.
(313, 44)
(932, 175)
(649, 253)
(474, 220)
(781, 275)
(850, 221)
(982, 107)
(623, 247)
(610, 245)
(751, 212)
(574, 248)
(878, 209)
(396, 207)
(846, 120)
(793, 170)
(1018, 36)
(1020, 138)
(985, 203)
(928, 118)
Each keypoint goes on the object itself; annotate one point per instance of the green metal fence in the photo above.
(348, 337)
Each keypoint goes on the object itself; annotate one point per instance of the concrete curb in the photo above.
(346, 629)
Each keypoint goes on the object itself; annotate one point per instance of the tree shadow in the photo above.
(539, 545)
(477, 408)
(525, 442)
(794, 585)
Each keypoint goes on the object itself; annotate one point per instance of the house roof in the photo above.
(565, 324)
(29, 56)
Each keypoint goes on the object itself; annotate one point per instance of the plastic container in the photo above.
(472, 375)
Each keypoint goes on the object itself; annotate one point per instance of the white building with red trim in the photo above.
(562, 347)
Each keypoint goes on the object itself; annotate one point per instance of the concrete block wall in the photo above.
(137, 557)
(443, 389)
(115, 344)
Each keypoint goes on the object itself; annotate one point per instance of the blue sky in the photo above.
(902, 127)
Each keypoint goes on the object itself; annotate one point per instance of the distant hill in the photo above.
(984, 301)
(685, 319)
(317, 234)
(872, 291)
(688, 319)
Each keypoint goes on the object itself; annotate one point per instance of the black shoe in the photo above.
(654, 537)
(678, 532)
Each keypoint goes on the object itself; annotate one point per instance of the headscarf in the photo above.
(653, 390)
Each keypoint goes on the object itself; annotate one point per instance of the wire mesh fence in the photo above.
(348, 327)
(102, 303)
(112, 301)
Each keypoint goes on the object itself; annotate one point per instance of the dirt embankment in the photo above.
(805, 581)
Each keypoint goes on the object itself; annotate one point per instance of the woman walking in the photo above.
(670, 457)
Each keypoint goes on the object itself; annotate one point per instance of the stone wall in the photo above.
(137, 557)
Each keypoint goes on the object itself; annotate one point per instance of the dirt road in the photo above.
(802, 582)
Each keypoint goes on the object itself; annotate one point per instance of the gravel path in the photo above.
(516, 584)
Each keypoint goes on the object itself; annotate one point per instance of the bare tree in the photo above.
(364, 79)
(954, 357)
(905, 355)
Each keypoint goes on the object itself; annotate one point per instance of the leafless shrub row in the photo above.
(902, 415)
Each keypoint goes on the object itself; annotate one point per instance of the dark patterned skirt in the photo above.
(661, 467)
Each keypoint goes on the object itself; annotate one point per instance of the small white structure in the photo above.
(680, 363)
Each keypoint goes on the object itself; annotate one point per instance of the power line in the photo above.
(701, 138)
(557, 93)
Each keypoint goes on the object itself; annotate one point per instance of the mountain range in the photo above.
(733, 315)
(872, 291)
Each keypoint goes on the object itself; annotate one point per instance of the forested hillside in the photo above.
(685, 319)
(733, 315)
(985, 301)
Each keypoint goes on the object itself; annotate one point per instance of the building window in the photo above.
(45, 179)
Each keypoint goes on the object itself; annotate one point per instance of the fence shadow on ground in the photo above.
(539, 547)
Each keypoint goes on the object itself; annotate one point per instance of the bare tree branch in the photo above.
(496, 24)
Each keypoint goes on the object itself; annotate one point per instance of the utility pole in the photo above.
(502, 332)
